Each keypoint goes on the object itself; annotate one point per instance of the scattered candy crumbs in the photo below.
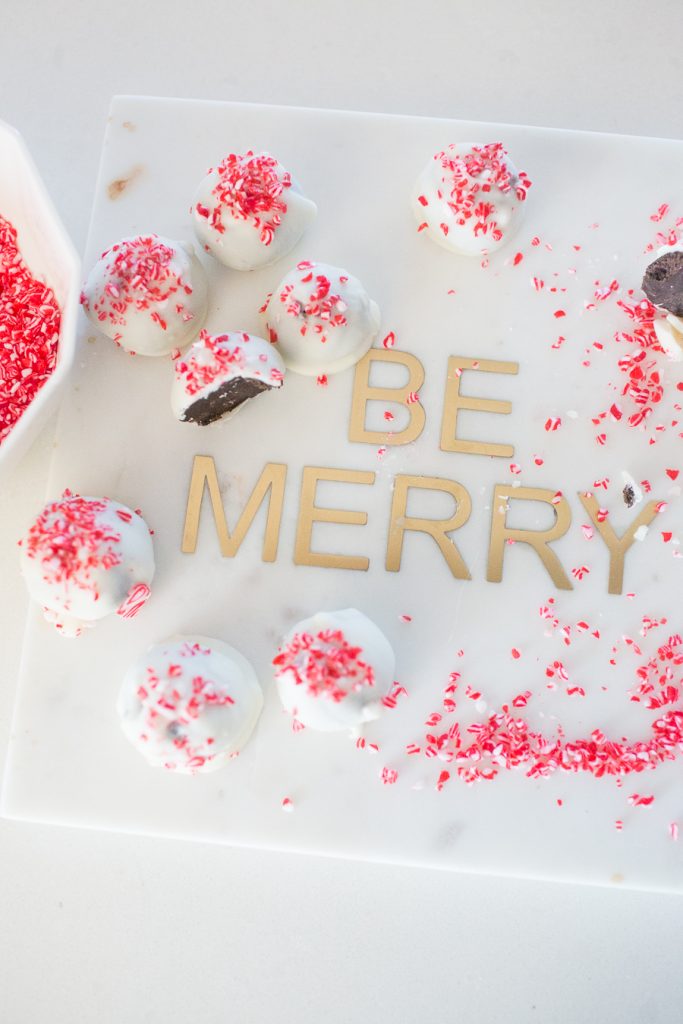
(137, 598)
(29, 332)
(363, 744)
(390, 700)
(636, 800)
(660, 214)
(668, 236)
(503, 740)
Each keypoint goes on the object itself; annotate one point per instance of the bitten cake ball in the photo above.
(190, 704)
(333, 670)
(148, 294)
(321, 319)
(85, 558)
(663, 285)
(663, 281)
(220, 372)
(469, 198)
(248, 212)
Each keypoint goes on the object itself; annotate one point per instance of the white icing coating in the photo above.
(85, 558)
(148, 294)
(190, 704)
(248, 212)
(213, 360)
(321, 319)
(328, 690)
(672, 247)
(669, 331)
(629, 482)
(468, 199)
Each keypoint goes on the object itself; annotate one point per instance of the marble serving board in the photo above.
(590, 207)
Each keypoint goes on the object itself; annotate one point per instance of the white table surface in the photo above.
(113, 928)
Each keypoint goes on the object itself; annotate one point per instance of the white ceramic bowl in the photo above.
(49, 254)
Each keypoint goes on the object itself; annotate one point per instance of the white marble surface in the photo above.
(111, 928)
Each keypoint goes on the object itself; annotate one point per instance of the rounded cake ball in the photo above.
(190, 704)
(148, 294)
(469, 198)
(321, 319)
(220, 372)
(86, 558)
(333, 670)
(248, 212)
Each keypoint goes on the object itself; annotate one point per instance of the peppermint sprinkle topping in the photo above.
(251, 188)
(210, 358)
(325, 664)
(469, 179)
(141, 276)
(71, 539)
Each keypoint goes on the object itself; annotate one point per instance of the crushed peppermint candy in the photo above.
(30, 320)
(505, 741)
(470, 178)
(72, 539)
(137, 598)
(326, 664)
(322, 310)
(142, 274)
(174, 692)
(250, 187)
(217, 357)
(198, 373)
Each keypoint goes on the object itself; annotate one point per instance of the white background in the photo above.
(111, 928)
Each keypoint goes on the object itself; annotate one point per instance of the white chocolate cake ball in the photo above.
(333, 670)
(321, 319)
(190, 704)
(148, 294)
(220, 372)
(469, 198)
(86, 558)
(248, 212)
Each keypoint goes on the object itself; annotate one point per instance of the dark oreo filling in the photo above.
(663, 282)
(223, 400)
